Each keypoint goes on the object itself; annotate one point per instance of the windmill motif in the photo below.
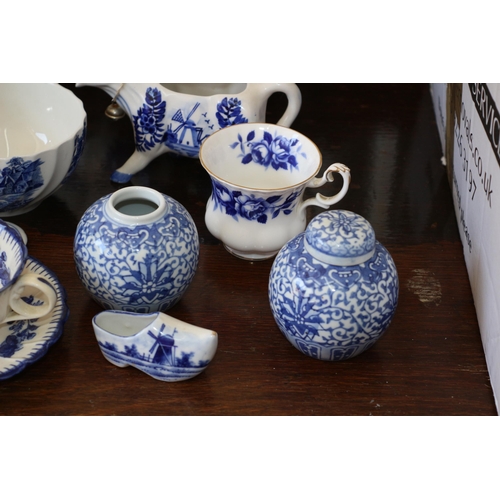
(163, 347)
(188, 125)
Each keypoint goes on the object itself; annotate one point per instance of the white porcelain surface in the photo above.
(23, 295)
(163, 347)
(178, 117)
(42, 133)
(24, 342)
(259, 173)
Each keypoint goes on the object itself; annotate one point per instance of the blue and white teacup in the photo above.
(23, 295)
(259, 172)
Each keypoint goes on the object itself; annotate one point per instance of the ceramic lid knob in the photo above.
(340, 238)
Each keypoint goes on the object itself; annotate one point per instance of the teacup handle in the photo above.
(292, 93)
(31, 306)
(328, 176)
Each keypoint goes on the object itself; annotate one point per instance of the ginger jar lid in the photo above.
(340, 238)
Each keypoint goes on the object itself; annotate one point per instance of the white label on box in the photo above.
(476, 194)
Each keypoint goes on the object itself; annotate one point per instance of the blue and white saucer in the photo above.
(24, 342)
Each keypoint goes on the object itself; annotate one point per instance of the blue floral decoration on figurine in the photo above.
(278, 152)
(184, 133)
(148, 122)
(229, 112)
(237, 204)
(18, 182)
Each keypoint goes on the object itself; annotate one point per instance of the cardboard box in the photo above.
(447, 101)
(472, 150)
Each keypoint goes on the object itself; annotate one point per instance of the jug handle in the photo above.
(328, 176)
(292, 93)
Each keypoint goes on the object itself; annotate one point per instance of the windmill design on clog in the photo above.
(163, 347)
(125, 339)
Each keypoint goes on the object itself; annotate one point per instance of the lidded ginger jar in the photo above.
(334, 288)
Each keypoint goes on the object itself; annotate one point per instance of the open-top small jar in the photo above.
(136, 250)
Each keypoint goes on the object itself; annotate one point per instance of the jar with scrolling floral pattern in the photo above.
(334, 288)
(136, 250)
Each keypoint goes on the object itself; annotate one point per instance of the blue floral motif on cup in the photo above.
(237, 204)
(18, 182)
(278, 152)
(148, 122)
(4, 270)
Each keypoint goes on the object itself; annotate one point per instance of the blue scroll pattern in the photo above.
(140, 268)
(332, 312)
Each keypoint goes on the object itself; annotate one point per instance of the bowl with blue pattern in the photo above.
(334, 288)
(42, 137)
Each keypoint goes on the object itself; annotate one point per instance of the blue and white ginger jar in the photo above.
(136, 250)
(334, 289)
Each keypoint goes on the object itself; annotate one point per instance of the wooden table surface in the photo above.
(429, 362)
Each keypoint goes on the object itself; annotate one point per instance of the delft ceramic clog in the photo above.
(334, 289)
(42, 136)
(163, 347)
(177, 117)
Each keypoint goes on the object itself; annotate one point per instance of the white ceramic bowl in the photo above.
(42, 133)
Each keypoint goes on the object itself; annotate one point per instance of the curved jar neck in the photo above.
(335, 260)
(136, 205)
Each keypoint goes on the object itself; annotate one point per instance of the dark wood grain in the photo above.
(429, 362)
